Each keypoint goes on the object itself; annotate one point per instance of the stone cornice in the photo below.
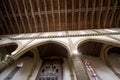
(68, 35)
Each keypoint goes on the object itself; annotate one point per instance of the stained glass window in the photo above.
(91, 71)
(51, 71)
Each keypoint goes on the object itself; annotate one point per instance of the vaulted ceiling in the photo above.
(28, 16)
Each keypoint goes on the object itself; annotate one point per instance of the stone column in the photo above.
(80, 70)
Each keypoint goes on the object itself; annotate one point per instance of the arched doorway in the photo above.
(92, 59)
(52, 55)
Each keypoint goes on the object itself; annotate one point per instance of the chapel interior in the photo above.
(60, 40)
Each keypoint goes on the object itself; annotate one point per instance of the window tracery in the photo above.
(51, 71)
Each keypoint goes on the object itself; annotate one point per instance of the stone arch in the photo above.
(64, 45)
(96, 40)
(33, 65)
(103, 54)
(11, 61)
(35, 53)
(107, 59)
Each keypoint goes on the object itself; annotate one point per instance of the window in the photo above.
(91, 71)
(51, 71)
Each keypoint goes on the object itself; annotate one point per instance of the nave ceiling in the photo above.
(32, 16)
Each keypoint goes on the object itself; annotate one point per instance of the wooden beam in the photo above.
(92, 16)
(20, 15)
(52, 14)
(39, 13)
(11, 24)
(27, 17)
(2, 28)
(63, 11)
(46, 15)
(59, 15)
(73, 14)
(107, 11)
(66, 15)
(4, 22)
(14, 16)
(99, 15)
(118, 21)
(86, 13)
(111, 20)
(79, 15)
(36, 27)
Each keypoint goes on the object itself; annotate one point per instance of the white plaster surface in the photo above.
(103, 72)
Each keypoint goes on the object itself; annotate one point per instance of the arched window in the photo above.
(51, 70)
(52, 55)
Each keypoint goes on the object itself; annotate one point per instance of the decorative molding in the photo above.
(62, 36)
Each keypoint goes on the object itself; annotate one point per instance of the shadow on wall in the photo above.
(6, 50)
